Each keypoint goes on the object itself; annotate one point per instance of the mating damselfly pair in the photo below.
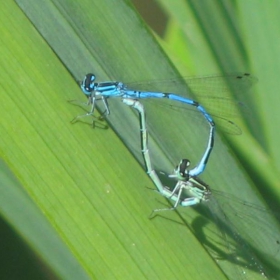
(174, 147)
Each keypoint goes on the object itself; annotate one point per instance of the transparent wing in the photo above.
(241, 236)
(251, 233)
(217, 94)
(204, 86)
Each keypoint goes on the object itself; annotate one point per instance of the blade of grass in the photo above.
(84, 181)
(32, 227)
(94, 33)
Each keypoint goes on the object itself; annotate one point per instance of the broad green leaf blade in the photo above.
(107, 48)
(84, 181)
(28, 222)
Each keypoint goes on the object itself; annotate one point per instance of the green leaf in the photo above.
(83, 182)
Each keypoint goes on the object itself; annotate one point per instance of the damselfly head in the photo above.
(181, 171)
(87, 85)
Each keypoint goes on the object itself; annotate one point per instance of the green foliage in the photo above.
(80, 200)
